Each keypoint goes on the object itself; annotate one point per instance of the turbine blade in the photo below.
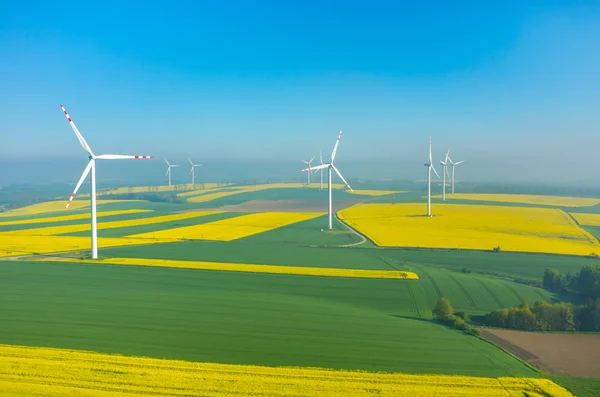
(430, 158)
(311, 160)
(120, 157)
(168, 170)
(190, 161)
(433, 168)
(305, 162)
(321, 156)
(447, 156)
(86, 171)
(341, 177)
(82, 141)
(166, 161)
(317, 167)
(191, 170)
(459, 162)
(335, 147)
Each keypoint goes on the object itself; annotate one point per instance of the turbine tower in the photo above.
(192, 172)
(453, 164)
(445, 172)
(331, 167)
(321, 170)
(429, 168)
(169, 169)
(308, 173)
(91, 169)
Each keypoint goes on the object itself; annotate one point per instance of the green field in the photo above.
(236, 318)
(265, 319)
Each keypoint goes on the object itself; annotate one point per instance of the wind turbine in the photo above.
(331, 167)
(445, 172)
(308, 174)
(169, 169)
(91, 169)
(429, 168)
(453, 166)
(192, 172)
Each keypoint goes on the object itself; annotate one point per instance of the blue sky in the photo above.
(500, 81)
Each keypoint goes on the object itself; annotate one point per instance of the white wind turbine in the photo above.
(169, 169)
(308, 174)
(453, 164)
(91, 169)
(192, 172)
(330, 167)
(445, 172)
(429, 168)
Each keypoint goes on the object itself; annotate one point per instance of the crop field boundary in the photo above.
(252, 268)
(489, 290)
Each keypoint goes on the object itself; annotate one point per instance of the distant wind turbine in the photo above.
(321, 170)
(308, 173)
(192, 172)
(331, 167)
(169, 169)
(429, 168)
(91, 169)
(445, 172)
(453, 164)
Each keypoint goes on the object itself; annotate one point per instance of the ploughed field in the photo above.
(225, 299)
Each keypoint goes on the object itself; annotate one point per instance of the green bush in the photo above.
(443, 310)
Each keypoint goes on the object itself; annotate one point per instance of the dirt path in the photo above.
(363, 239)
(559, 354)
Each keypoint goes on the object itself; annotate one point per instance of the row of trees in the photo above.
(444, 313)
(548, 317)
(585, 282)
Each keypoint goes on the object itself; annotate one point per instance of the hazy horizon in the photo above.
(250, 89)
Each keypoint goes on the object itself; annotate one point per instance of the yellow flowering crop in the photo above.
(375, 193)
(232, 228)
(63, 218)
(587, 219)
(253, 268)
(62, 372)
(252, 188)
(471, 227)
(20, 244)
(56, 206)
(557, 201)
(64, 229)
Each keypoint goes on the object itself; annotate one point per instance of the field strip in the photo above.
(586, 219)
(69, 217)
(64, 229)
(251, 268)
(556, 201)
(230, 228)
(57, 206)
(22, 245)
(63, 372)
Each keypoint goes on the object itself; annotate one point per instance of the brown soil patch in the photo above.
(559, 354)
(287, 206)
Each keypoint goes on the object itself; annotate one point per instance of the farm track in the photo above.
(464, 290)
(435, 286)
(363, 239)
(519, 297)
(414, 301)
(498, 301)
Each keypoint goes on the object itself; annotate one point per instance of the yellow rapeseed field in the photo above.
(144, 189)
(65, 229)
(70, 217)
(375, 193)
(62, 372)
(556, 201)
(587, 219)
(479, 227)
(251, 188)
(253, 268)
(56, 206)
(232, 228)
(20, 244)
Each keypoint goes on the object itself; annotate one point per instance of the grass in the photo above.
(225, 317)
(581, 387)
